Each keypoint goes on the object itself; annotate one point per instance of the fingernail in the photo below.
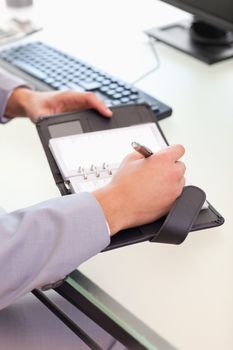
(109, 111)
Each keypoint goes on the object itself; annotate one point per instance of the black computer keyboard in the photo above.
(61, 71)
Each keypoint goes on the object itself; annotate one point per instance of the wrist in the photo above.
(18, 102)
(110, 200)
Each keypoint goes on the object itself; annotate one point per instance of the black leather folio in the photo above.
(185, 215)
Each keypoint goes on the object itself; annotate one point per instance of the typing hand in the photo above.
(142, 190)
(32, 104)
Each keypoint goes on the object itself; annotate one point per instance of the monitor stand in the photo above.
(196, 38)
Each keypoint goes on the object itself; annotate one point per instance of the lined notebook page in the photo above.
(102, 147)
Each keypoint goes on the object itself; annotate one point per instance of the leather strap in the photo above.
(181, 217)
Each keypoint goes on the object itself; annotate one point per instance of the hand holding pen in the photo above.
(143, 189)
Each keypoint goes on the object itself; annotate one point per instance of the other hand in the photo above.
(33, 104)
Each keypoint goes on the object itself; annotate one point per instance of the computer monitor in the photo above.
(208, 37)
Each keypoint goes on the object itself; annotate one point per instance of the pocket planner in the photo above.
(84, 151)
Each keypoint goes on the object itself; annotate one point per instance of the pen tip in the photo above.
(134, 144)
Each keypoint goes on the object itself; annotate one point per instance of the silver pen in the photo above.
(143, 150)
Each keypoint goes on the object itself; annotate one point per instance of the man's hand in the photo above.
(32, 104)
(143, 189)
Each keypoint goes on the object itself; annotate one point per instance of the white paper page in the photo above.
(96, 148)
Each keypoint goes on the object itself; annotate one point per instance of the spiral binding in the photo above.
(105, 169)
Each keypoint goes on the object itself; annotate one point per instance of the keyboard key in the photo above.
(75, 86)
(49, 80)
(82, 69)
(104, 89)
(94, 76)
(116, 102)
(125, 100)
(133, 90)
(141, 100)
(119, 89)
(100, 79)
(92, 85)
(117, 96)
(126, 93)
(133, 97)
(56, 85)
(106, 82)
(113, 86)
(88, 79)
(110, 92)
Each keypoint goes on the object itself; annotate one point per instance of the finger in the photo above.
(180, 167)
(75, 101)
(173, 153)
(182, 184)
(179, 187)
(92, 101)
(177, 151)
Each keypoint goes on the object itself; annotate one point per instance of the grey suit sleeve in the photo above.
(8, 83)
(43, 243)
